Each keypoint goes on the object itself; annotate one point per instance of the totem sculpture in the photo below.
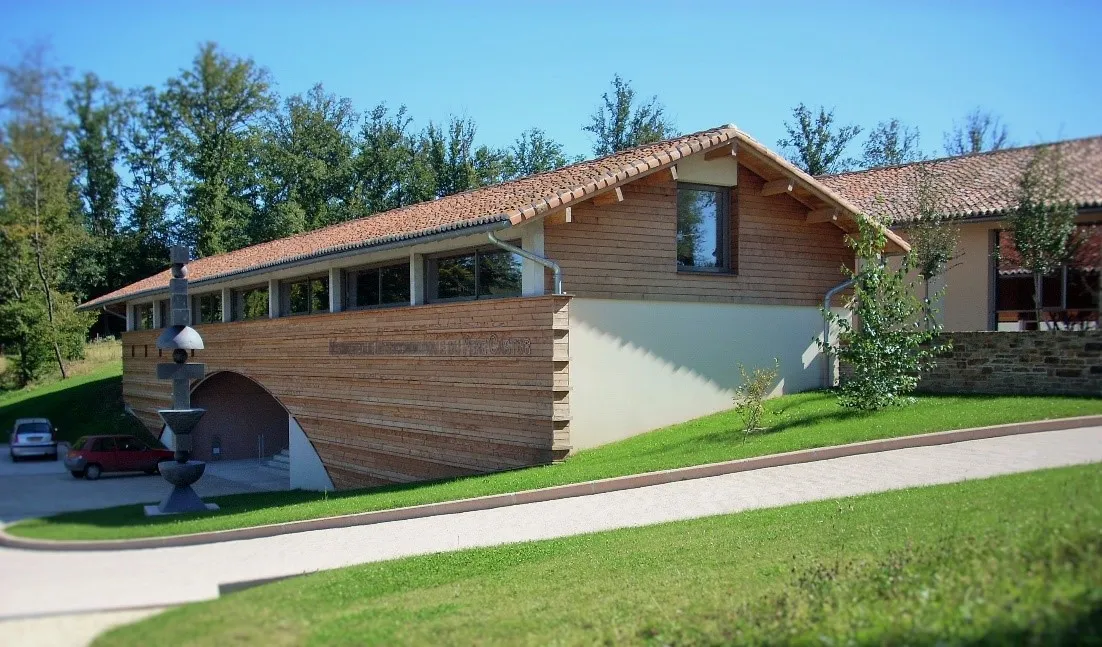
(181, 339)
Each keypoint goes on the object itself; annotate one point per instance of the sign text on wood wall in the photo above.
(489, 346)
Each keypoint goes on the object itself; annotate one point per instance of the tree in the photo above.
(213, 104)
(891, 143)
(815, 144)
(980, 132)
(1042, 223)
(451, 157)
(39, 216)
(533, 152)
(305, 157)
(885, 342)
(145, 239)
(932, 233)
(619, 123)
(98, 114)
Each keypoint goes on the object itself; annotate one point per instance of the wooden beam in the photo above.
(560, 217)
(783, 185)
(730, 150)
(668, 174)
(611, 197)
(822, 215)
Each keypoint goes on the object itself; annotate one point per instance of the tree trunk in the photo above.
(42, 273)
(1037, 298)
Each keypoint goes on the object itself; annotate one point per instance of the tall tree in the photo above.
(451, 156)
(620, 122)
(815, 144)
(891, 143)
(1042, 222)
(147, 194)
(97, 113)
(933, 234)
(533, 152)
(213, 105)
(981, 131)
(306, 153)
(39, 217)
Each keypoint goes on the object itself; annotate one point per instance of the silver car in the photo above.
(33, 437)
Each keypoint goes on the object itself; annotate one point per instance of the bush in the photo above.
(750, 395)
(892, 337)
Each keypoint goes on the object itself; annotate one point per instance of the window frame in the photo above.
(285, 295)
(349, 286)
(241, 291)
(724, 237)
(139, 316)
(197, 308)
(431, 272)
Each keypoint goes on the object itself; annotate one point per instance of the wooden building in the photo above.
(507, 326)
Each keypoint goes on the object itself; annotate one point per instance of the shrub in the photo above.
(750, 395)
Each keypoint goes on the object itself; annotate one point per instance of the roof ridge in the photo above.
(949, 158)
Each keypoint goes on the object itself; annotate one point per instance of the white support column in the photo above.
(336, 290)
(273, 298)
(157, 323)
(130, 316)
(416, 279)
(532, 282)
(227, 305)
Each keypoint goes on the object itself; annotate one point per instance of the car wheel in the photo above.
(77, 474)
(92, 472)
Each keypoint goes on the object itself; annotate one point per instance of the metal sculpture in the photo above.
(181, 339)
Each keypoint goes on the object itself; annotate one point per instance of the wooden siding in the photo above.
(401, 394)
(627, 250)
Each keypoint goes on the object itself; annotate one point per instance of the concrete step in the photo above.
(281, 461)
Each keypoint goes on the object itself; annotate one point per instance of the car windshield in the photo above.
(33, 428)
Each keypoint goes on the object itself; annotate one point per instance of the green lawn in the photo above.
(795, 422)
(1012, 560)
(90, 403)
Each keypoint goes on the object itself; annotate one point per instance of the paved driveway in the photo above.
(33, 488)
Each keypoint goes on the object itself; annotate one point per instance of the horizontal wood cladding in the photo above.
(401, 394)
(627, 250)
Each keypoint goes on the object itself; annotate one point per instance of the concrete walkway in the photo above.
(38, 584)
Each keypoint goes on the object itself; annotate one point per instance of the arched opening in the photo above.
(243, 420)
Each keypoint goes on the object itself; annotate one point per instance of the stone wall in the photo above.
(1034, 362)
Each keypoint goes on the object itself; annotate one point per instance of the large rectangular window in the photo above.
(306, 296)
(207, 308)
(480, 274)
(703, 223)
(377, 286)
(250, 303)
(143, 316)
(1069, 297)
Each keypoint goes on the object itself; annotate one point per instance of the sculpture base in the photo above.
(181, 499)
(155, 510)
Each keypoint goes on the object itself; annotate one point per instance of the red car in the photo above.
(93, 455)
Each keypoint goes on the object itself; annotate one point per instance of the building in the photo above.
(985, 290)
(506, 326)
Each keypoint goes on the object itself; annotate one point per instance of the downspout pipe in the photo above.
(535, 258)
(828, 362)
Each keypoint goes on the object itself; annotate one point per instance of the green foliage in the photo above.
(1042, 223)
(620, 123)
(533, 152)
(815, 144)
(980, 132)
(932, 233)
(891, 337)
(890, 143)
(751, 393)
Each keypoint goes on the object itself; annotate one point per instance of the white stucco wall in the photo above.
(639, 365)
(307, 472)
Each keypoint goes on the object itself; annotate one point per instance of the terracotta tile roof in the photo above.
(973, 186)
(505, 204)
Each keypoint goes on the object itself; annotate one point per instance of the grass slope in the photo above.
(799, 421)
(78, 406)
(1010, 560)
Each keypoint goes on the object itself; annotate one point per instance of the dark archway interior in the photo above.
(242, 420)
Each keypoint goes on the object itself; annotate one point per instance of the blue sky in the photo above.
(514, 65)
